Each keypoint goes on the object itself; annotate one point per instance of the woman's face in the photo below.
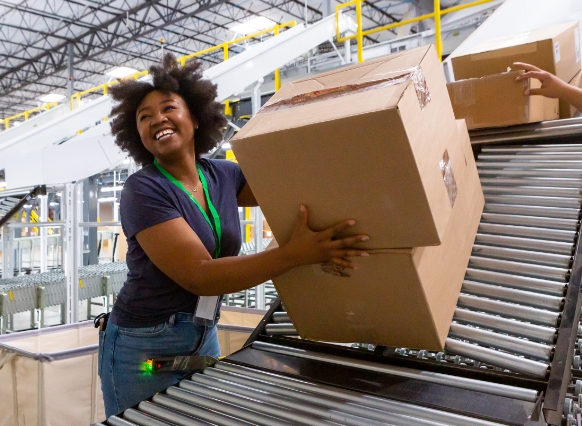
(165, 125)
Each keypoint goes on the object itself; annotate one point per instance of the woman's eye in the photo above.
(143, 117)
(169, 107)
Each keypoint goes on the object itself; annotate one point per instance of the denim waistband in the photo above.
(189, 317)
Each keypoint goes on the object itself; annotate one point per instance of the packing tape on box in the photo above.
(392, 78)
(449, 177)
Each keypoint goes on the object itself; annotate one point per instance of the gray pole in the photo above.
(70, 69)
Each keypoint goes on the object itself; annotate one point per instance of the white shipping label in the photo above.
(577, 43)
(557, 52)
(206, 307)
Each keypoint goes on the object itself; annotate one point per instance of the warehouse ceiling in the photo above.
(35, 36)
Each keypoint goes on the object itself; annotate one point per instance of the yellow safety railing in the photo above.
(76, 97)
(361, 33)
(26, 114)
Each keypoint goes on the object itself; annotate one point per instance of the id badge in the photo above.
(206, 307)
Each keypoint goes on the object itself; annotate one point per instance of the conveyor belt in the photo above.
(512, 355)
(38, 291)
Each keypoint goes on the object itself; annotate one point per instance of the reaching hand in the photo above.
(552, 86)
(308, 247)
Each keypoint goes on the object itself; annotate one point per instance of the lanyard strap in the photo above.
(216, 228)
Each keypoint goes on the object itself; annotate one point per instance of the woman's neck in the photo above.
(182, 169)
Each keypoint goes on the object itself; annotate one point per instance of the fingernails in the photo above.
(526, 93)
(365, 254)
(301, 208)
(352, 222)
(355, 267)
(364, 238)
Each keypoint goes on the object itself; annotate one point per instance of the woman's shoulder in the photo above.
(147, 175)
(218, 165)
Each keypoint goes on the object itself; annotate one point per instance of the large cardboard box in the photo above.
(402, 298)
(364, 142)
(498, 100)
(567, 110)
(555, 49)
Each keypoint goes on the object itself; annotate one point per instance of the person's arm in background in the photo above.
(552, 86)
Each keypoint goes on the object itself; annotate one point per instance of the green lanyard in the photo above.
(216, 228)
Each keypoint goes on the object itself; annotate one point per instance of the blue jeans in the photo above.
(123, 351)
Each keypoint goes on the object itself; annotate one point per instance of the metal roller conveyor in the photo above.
(506, 325)
(541, 191)
(501, 341)
(173, 417)
(573, 166)
(532, 200)
(511, 310)
(532, 181)
(527, 298)
(281, 317)
(553, 173)
(526, 256)
(565, 225)
(536, 271)
(525, 243)
(516, 281)
(537, 211)
(241, 375)
(513, 355)
(528, 232)
(281, 328)
(141, 419)
(495, 357)
(190, 408)
(538, 156)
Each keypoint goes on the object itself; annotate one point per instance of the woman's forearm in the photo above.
(237, 273)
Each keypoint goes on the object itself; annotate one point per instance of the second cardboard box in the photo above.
(402, 298)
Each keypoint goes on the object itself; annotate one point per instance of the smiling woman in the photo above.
(180, 216)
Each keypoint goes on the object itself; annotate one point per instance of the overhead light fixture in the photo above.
(107, 199)
(226, 146)
(111, 188)
(257, 24)
(120, 72)
(52, 97)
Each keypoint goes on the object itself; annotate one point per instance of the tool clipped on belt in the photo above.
(180, 363)
(101, 321)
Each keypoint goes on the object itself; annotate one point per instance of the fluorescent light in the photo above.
(225, 146)
(120, 72)
(111, 188)
(52, 97)
(252, 26)
(106, 199)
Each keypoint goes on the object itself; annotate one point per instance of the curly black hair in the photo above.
(169, 77)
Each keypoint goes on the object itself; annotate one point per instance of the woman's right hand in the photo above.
(308, 247)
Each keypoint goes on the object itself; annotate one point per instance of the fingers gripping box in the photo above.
(397, 297)
(365, 142)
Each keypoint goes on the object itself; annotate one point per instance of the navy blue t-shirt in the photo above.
(149, 296)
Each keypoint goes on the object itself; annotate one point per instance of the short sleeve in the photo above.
(239, 180)
(145, 203)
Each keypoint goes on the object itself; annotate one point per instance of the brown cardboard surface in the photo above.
(397, 297)
(498, 100)
(555, 49)
(567, 110)
(372, 156)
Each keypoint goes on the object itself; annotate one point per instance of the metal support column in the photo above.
(72, 243)
(258, 225)
(256, 97)
(7, 252)
(90, 215)
(71, 57)
(43, 217)
(348, 51)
